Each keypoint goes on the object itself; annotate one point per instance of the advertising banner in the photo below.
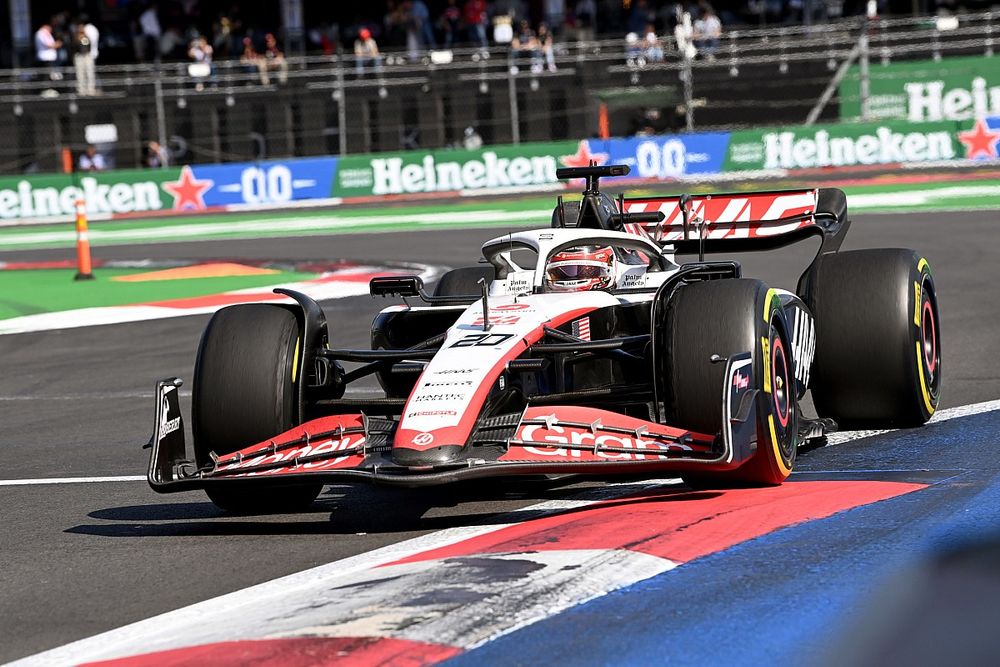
(845, 145)
(960, 88)
(667, 157)
(421, 172)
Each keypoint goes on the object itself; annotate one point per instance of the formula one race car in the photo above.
(577, 349)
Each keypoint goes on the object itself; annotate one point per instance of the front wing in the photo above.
(542, 440)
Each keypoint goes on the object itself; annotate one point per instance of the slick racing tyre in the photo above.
(464, 281)
(878, 339)
(246, 391)
(727, 317)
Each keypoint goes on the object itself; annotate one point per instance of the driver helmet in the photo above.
(581, 269)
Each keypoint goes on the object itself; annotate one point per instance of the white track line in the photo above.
(940, 416)
(70, 480)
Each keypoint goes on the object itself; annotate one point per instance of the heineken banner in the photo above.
(859, 144)
(523, 168)
(420, 172)
(959, 88)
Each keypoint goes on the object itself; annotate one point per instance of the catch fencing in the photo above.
(462, 98)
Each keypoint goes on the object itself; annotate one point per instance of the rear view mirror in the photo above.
(396, 285)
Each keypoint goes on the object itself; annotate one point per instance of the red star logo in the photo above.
(583, 157)
(980, 140)
(188, 192)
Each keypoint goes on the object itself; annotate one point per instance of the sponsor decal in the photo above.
(432, 413)
(981, 140)
(331, 446)
(924, 90)
(498, 320)
(439, 397)
(792, 150)
(740, 381)
(167, 425)
(423, 439)
(645, 448)
(54, 196)
(454, 371)
(671, 156)
(803, 344)
(188, 192)
(520, 282)
(450, 383)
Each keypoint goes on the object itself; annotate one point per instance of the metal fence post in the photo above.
(161, 116)
(686, 75)
(515, 118)
(864, 89)
(341, 106)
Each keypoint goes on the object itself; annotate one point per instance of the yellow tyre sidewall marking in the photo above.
(778, 458)
(295, 360)
(765, 355)
(923, 381)
(916, 304)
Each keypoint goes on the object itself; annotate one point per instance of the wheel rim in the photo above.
(930, 339)
(779, 379)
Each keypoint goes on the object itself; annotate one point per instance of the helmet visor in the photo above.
(575, 271)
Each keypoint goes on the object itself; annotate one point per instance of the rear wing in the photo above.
(735, 222)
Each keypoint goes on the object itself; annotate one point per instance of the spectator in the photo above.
(83, 62)
(525, 45)
(707, 32)
(366, 51)
(451, 18)
(546, 46)
(471, 141)
(274, 59)
(222, 36)
(474, 13)
(422, 18)
(200, 54)
(652, 48)
(93, 34)
(585, 14)
(640, 16)
(412, 26)
(555, 15)
(252, 61)
(47, 50)
(154, 156)
(152, 33)
(91, 160)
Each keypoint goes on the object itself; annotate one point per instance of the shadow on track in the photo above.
(363, 510)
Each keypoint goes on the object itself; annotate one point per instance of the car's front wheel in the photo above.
(725, 318)
(245, 391)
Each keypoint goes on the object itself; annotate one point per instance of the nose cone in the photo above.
(432, 456)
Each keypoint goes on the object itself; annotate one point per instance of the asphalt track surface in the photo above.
(79, 559)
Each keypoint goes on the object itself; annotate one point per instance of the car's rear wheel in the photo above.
(725, 318)
(246, 391)
(878, 339)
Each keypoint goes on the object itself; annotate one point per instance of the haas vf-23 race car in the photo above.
(582, 348)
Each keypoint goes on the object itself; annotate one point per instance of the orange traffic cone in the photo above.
(83, 263)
